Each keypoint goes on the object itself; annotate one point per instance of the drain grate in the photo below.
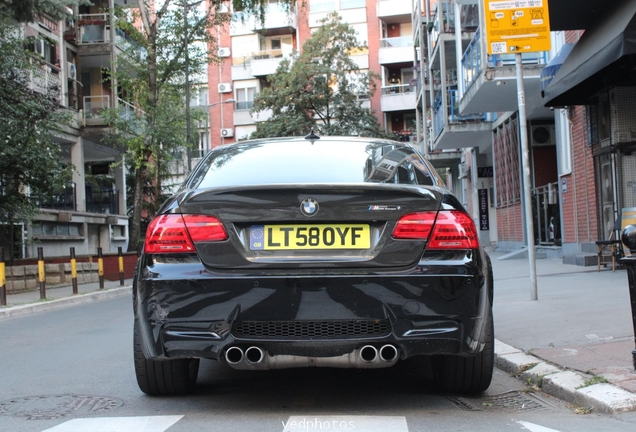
(54, 407)
(512, 400)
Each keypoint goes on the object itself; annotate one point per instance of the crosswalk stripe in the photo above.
(535, 428)
(117, 424)
(345, 423)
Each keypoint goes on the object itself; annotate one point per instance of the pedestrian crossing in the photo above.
(292, 424)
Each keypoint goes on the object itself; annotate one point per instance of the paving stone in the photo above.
(609, 399)
(537, 373)
(516, 363)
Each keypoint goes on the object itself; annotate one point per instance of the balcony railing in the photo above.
(403, 41)
(46, 80)
(397, 89)
(94, 28)
(244, 105)
(102, 200)
(94, 106)
(452, 113)
(63, 201)
(472, 61)
(444, 21)
(269, 54)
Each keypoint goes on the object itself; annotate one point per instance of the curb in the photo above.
(563, 384)
(27, 309)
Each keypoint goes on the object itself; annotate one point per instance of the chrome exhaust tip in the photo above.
(388, 353)
(368, 353)
(234, 355)
(254, 355)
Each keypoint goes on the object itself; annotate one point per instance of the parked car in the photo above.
(313, 252)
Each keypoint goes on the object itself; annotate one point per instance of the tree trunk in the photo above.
(135, 223)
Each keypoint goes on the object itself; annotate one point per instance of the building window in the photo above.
(352, 4)
(245, 98)
(322, 5)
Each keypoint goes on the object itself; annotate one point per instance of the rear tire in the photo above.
(163, 377)
(467, 375)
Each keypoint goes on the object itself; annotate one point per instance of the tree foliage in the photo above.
(321, 88)
(27, 10)
(31, 162)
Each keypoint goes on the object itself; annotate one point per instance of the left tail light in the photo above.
(175, 233)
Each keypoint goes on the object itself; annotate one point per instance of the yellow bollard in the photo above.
(121, 266)
(41, 274)
(74, 271)
(3, 280)
(100, 268)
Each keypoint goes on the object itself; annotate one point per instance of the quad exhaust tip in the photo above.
(234, 355)
(254, 355)
(368, 353)
(388, 353)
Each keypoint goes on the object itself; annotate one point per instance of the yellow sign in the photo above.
(517, 26)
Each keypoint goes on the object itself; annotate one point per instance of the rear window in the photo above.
(301, 162)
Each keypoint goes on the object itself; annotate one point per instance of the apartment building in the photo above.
(579, 125)
(250, 50)
(74, 54)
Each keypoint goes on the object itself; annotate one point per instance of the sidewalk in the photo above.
(580, 327)
(60, 296)
(579, 332)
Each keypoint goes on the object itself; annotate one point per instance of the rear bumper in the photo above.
(185, 311)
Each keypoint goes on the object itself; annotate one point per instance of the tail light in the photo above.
(444, 230)
(175, 233)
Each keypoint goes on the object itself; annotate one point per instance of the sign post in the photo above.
(517, 27)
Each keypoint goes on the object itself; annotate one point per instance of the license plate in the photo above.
(316, 236)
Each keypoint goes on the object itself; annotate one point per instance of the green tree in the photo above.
(320, 88)
(31, 164)
(27, 10)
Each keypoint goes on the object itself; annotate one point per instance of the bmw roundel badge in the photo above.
(309, 207)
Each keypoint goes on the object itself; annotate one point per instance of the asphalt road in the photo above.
(70, 370)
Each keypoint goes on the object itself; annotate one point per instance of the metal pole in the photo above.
(41, 274)
(629, 239)
(120, 257)
(3, 280)
(187, 84)
(527, 193)
(74, 271)
(100, 267)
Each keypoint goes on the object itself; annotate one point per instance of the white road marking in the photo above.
(117, 424)
(535, 428)
(345, 423)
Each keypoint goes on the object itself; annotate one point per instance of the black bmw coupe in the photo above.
(313, 252)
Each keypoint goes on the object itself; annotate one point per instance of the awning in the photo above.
(551, 69)
(582, 72)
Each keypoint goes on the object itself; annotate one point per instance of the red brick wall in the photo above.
(509, 226)
(579, 217)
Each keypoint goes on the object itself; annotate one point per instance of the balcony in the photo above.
(93, 28)
(399, 97)
(63, 201)
(443, 23)
(393, 12)
(99, 199)
(396, 50)
(490, 80)
(278, 20)
(102, 200)
(266, 62)
(46, 80)
(93, 108)
(452, 130)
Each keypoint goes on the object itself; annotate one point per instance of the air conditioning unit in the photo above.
(39, 46)
(71, 71)
(107, 34)
(224, 52)
(225, 88)
(464, 170)
(542, 135)
(227, 132)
